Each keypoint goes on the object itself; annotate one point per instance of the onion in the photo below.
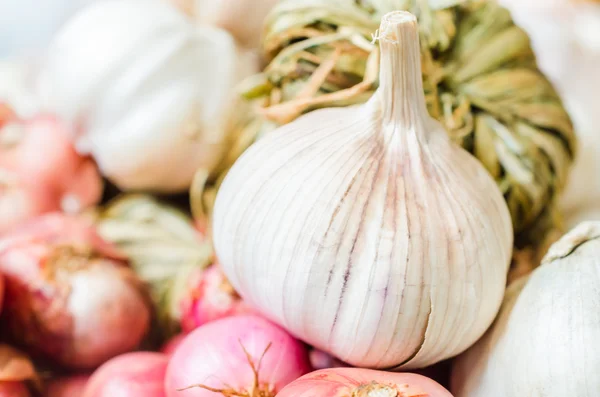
(172, 344)
(356, 382)
(240, 355)
(209, 297)
(69, 386)
(41, 172)
(130, 375)
(69, 297)
(13, 389)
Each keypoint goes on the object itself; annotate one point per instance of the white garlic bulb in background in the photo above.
(228, 15)
(244, 19)
(544, 342)
(565, 35)
(147, 93)
(364, 230)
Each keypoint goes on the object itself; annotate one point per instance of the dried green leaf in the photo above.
(162, 245)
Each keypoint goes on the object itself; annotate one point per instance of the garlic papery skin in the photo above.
(364, 230)
(227, 14)
(544, 342)
(145, 91)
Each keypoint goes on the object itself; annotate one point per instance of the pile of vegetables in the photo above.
(318, 198)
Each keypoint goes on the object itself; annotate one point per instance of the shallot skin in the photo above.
(139, 374)
(41, 172)
(72, 386)
(209, 297)
(13, 389)
(1, 292)
(214, 355)
(68, 297)
(172, 344)
(345, 382)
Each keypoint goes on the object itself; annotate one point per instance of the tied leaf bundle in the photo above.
(163, 247)
(480, 80)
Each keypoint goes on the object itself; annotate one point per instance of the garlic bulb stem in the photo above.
(401, 81)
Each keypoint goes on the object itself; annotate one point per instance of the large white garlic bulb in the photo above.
(146, 92)
(545, 340)
(565, 35)
(364, 230)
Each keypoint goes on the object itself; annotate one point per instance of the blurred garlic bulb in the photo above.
(146, 92)
(545, 340)
(228, 15)
(364, 230)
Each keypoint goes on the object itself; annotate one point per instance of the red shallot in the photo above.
(13, 389)
(69, 296)
(357, 382)
(209, 297)
(139, 374)
(70, 386)
(40, 171)
(244, 356)
(172, 344)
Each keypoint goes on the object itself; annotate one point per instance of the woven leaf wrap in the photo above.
(480, 77)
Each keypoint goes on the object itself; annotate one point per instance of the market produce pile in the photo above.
(301, 198)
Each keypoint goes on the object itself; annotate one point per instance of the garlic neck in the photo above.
(400, 76)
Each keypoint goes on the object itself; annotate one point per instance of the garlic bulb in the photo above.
(150, 99)
(364, 230)
(227, 14)
(480, 78)
(545, 340)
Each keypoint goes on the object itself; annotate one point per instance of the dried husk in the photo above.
(163, 247)
(480, 78)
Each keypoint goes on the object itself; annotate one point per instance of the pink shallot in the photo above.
(69, 296)
(40, 171)
(244, 356)
(139, 374)
(209, 297)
